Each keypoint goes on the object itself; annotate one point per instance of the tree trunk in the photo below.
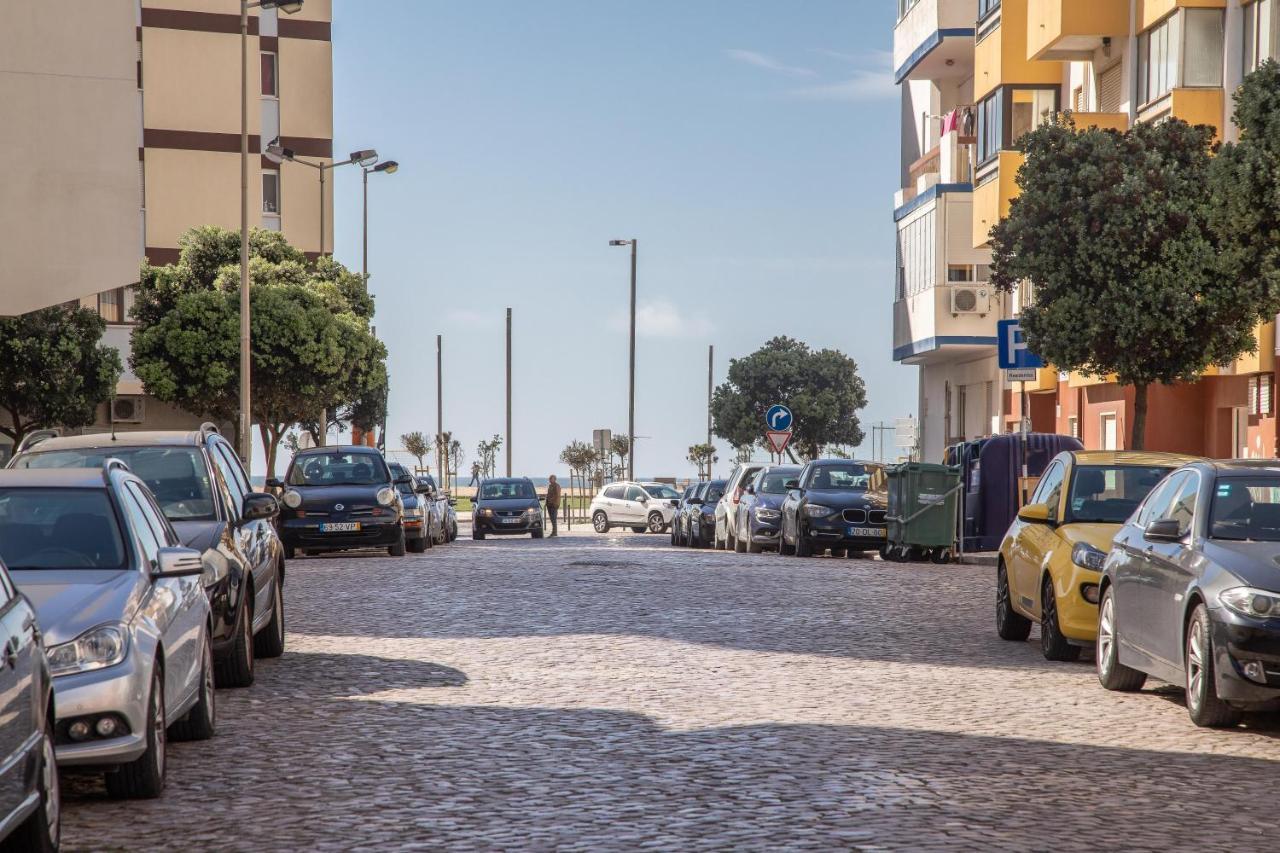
(1138, 438)
(273, 447)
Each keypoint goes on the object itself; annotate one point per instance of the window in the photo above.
(269, 81)
(59, 529)
(1079, 102)
(635, 493)
(1030, 109)
(1260, 391)
(147, 539)
(1183, 510)
(990, 137)
(616, 493)
(959, 273)
(111, 305)
(917, 254)
(175, 475)
(905, 6)
(1049, 489)
(270, 191)
(1161, 499)
(1260, 31)
(1110, 432)
(1183, 50)
(236, 490)
(1246, 508)
(1205, 31)
(338, 468)
(1073, 426)
(1109, 494)
(986, 7)
(1110, 93)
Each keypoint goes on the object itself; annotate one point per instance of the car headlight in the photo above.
(817, 511)
(1086, 556)
(386, 496)
(533, 512)
(97, 648)
(485, 511)
(768, 514)
(292, 499)
(1257, 603)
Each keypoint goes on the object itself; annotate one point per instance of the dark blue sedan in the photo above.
(760, 509)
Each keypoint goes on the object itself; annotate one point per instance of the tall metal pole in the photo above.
(324, 413)
(711, 357)
(442, 453)
(246, 419)
(631, 395)
(508, 442)
(364, 252)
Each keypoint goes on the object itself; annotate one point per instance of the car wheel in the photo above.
(143, 778)
(655, 522)
(398, 549)
(783, 548)
(1203, 704)
(1010, 624)
(536, 534)
(639, 528)
(41, 832)
(720, 544)
(804, 548)
(600, 521)
(201, 721)
(269, 642)
(477, 535)
(839, 552)
(236, 667)
(1052, 643)
(739, 545)
(1112, 674)
(416, 546)
(754, 547)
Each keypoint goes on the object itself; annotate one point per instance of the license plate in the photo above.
(869, 532)
(340, 527)
(510, 521)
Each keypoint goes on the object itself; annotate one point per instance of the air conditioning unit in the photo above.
(128, 410)
(970, 300)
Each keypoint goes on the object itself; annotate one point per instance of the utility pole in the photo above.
(508, 442)
(631, 397)
(442, 453)
(711, 357)
(246, 418)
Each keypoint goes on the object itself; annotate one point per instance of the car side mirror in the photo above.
(644, 499)
(1034, 514)
(694, 501)
(791, 484)
(257, 505)
(1164, 530)
(275, 483)
(178, 563)
(423, 489)
(751, 490)
(406, 480)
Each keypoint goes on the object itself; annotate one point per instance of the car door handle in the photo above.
(11, 653)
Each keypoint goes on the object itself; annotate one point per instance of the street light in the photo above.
(289, 7)
(631, 393)
(390, 167)
(364, 158)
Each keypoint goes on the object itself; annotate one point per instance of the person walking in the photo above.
(553, 501)
(475, 473)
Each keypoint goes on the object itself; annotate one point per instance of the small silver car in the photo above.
(124, 617)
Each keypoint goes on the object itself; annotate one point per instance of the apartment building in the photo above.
(1114, 63)
(148, 92)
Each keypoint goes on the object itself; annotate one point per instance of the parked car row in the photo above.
(1166, 565)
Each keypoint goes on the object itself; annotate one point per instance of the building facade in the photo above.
(1112, 63)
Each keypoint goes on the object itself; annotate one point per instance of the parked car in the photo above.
(700, 521)
(726, 511)
(121, 606)
(1051, 559)
(199, 484)
(759, 511)
(30, 799)
(419, 521)
(506, 506)
(440, 505)
(837, 505)
(640, 506)
(677, 529)
(339, 498)
(1191, 591)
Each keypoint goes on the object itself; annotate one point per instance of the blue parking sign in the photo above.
(1012, 347)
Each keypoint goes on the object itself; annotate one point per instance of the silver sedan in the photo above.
(124, 618)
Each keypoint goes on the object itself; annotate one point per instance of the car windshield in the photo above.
(715, 491)
(59, 529)
(852, 476)
(337, 469)
(775, 482)
(177, 476)
(1108, 494)
(507, 491)
(1246, 509)
(661, 491)
(398, 471)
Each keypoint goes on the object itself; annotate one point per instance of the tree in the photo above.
(488, 453)
(822, 389)
(54, 370)
(620, 446)
(417, 445)
(1111, 233)
(703, 456)
(456, 455)
(313, 347)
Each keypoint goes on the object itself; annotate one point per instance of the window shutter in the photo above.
(1109, 91)
(1264, 395)
(1253, 394)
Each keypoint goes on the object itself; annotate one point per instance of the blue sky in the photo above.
(750, 146)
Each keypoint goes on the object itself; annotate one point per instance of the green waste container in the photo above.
(923, 499)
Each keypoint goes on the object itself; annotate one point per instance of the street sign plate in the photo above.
(778, 418)
(778, 439)
(1012, 346)
(600, 440)
(1021, 374)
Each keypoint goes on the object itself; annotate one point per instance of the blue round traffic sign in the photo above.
(778, 418)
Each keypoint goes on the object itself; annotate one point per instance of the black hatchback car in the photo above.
(203, 490)
(339, 498)
(506, 506)
(837, 505)
(700, 513)
(1191, 591)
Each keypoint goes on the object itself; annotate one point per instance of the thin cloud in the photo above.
(863, 86)
(662, 319)
(881, 58)
(768, 63)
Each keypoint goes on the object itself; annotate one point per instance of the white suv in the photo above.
(640, 506)
(727, 509)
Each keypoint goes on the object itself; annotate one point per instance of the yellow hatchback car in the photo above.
(1051, 558)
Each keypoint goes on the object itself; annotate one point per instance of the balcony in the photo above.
(991, 198)
(934, 40)
(1151, 12)
(1194, 106)
(1068, 30)
(1000, 58)
(1102, 121)
(927, 329)
(947, 167)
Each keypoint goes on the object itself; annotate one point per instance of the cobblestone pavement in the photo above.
(611, 692)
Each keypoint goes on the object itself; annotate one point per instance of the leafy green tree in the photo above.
(620, 446)
(1111, 233)
(822, 389)
(54, 370)
(456, 455)
(418, 446)
(488, 453)
(703, 456)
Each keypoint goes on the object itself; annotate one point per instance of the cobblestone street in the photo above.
(608, 692)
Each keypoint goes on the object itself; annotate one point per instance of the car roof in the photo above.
(183, 438)
(56, 478)
(506, 480)
(339, 448)
(1132, 457)
(1244, 467)
(838, 461)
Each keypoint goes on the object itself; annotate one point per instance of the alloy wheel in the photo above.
(655, 523)
(1195, 663)
(1106, 634)
(158, 722)
(52, 791)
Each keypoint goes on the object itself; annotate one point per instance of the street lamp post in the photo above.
(390, 167)
(246, 355)
(631, 371)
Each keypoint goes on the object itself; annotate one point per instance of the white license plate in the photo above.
(340, 527)
(510, 521)
(870, 532)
